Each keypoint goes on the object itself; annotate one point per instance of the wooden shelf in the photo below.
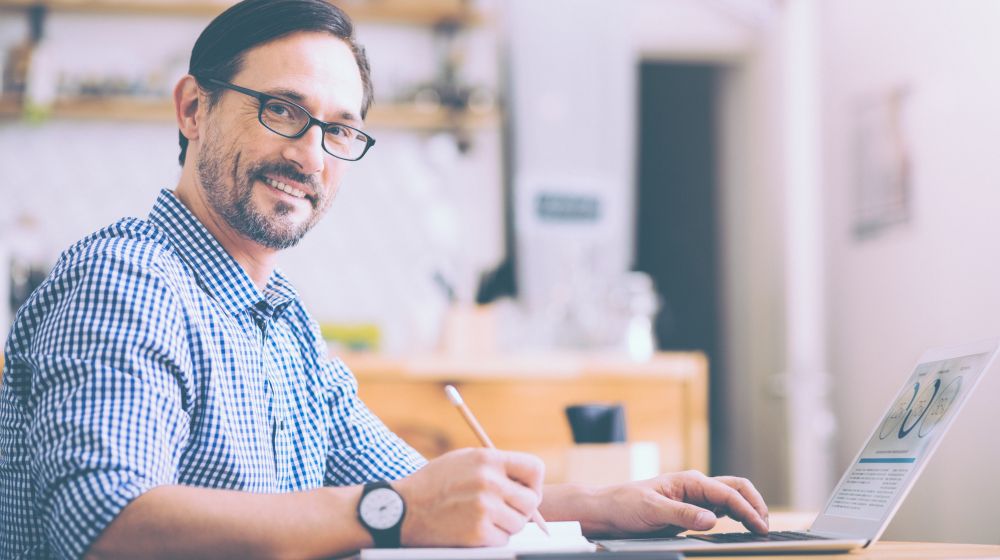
(118, 109)
(398, 116)
(181, 8)
(413, 12)
(418, 118)
(114, 108)
(9, 107)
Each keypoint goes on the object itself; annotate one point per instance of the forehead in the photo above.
(318, 66)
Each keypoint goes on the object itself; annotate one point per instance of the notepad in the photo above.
(566, 537)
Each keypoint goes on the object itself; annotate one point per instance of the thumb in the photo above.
(688, 516)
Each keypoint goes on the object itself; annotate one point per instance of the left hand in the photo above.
(672, 503)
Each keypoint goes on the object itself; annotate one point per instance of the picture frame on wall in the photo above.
(882, 164)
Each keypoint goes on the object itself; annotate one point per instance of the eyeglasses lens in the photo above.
(290, 121)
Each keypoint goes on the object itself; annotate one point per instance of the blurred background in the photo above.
(741, 220)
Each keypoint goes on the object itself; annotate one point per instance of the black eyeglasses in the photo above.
(291, 120)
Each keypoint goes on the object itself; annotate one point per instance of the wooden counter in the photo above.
(520, 401)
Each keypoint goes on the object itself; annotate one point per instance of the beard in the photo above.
(273, 227)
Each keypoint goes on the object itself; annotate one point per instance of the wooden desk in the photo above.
(520, 401)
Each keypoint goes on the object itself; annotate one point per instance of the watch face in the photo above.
(381, 508)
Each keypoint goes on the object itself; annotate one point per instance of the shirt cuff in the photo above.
(84, 507)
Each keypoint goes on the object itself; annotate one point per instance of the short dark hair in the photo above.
(218, 52)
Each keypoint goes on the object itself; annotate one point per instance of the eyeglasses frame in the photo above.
(263, 98)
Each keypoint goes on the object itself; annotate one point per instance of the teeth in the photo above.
(285, 188)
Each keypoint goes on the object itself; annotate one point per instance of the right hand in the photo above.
(470, 497)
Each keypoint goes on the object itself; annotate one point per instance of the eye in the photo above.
(280, 110)
(339, 134)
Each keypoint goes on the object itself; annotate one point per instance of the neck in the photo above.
(258, 261)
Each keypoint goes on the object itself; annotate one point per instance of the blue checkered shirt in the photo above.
(148, 357)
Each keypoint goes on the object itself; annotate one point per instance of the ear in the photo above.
(187, 101)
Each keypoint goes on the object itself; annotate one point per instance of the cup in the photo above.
(596, 422)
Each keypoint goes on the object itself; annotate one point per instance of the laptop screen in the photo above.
(886, 468)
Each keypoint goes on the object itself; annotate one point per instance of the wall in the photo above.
(753, 225)
(574, 79)
(573, 64)
(934, 280)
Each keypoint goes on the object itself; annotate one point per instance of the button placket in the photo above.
(280, 444)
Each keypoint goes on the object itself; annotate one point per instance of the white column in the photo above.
(810, 425)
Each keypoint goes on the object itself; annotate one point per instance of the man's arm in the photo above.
(103, 340)
(189, 522)
(470, 497)
(671, 502)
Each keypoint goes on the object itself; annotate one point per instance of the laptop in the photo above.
(877, 481)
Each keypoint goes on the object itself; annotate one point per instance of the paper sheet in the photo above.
(566, 537)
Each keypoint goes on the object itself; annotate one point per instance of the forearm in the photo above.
(188, 522)
(575, 502)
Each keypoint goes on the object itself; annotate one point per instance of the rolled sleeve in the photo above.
(107, 397)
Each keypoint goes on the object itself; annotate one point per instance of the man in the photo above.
(167, 395)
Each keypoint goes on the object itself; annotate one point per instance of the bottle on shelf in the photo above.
(18, 61)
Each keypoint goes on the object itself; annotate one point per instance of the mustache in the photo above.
(289, 171)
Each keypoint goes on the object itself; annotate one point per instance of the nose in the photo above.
(306, 151)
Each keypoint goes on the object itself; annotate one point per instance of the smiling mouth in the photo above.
(288, 189)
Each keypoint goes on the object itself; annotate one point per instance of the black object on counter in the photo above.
(596, 423)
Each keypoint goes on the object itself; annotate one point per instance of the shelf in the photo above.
(9, 107)
(418, 118)
(398, 116)
(115, 108)
(118, 109)
(208, 9)
(414, 12)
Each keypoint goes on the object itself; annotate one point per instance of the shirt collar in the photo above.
(214, 269)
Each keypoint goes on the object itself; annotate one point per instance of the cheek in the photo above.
(333, 175)
(252, 140)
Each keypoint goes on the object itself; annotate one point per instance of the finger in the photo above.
(716, 493)
(497, 482)
(517, 496)
(747, 489)
(511, 492)
(527, 469)
(487, 533)
(666, 512)
(508, 519)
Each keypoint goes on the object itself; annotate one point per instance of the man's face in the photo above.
(265, 187)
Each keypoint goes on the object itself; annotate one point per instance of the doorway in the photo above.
(677, 218)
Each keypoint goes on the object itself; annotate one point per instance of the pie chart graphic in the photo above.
(920, 407)
(939, 408)
(899, 408)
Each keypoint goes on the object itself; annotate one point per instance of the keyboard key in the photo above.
(774, 536)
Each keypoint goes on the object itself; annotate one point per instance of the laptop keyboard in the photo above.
(773, 536)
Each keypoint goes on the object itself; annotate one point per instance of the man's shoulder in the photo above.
(133, 242)
(131, 255)
(127, 267)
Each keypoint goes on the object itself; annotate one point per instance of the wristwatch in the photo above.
(381, 510)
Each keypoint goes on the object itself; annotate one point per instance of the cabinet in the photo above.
(434, 14)
(520, 401)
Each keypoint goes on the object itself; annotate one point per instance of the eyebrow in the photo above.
(292, 95)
